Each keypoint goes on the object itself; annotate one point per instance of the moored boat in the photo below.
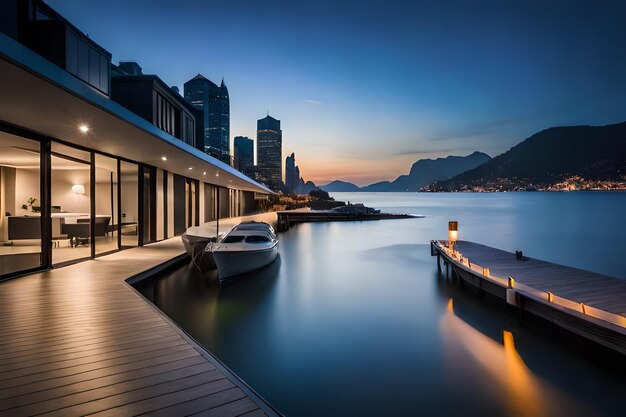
(196, 239)
(246, 247)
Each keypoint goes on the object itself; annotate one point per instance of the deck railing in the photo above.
(544, 296)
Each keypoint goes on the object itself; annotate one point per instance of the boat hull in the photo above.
(233, 263)
(195, 247)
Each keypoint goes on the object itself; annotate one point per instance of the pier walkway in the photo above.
(584, 302)
(79, 340)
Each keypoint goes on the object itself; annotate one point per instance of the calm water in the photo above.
(353, 318)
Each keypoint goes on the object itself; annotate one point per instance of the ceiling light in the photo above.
(204, 173)
(83, 128)
(164, 158)
(190, 168)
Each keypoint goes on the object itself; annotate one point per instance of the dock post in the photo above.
(438, 262)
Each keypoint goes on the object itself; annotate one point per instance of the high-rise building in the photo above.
(292, 173)
(244, 154)
(269, 146)
(213, 102)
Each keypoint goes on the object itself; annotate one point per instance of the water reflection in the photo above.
(505, 374)
(354, 321)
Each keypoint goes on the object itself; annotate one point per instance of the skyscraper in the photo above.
(213, 103)
(269, 146)
(292, 173)
(244, 154)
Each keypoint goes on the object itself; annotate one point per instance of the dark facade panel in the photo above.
(179, 204)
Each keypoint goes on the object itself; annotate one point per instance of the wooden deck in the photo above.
(80, 341)
(587, 303)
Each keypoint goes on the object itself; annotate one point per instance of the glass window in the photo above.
(71, 53)
(149, 202)
(83, 59)
(210, 201)
(20, 204)
(94, 67)
(71, 152)
(70, 207)
(129, 217)
(257, 239)
(107, 215)
(104, 73)
(233, 239)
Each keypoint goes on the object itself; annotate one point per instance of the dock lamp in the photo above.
(453, 233)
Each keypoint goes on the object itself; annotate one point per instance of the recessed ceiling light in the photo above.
(164, 158)
(190, 168)
(204, 173)
(83, 128)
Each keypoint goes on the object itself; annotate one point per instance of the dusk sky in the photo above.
(364, 89)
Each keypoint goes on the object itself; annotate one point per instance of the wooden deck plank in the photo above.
(132, 368)
(167, 400)
(597, 290)
(78, 340)
(46, 392)
(102, 394)
(59, 372)
(152, 393)
(232, 409)
(199, 404)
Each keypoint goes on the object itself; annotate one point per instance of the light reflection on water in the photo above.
(504, 373)
(353, 319)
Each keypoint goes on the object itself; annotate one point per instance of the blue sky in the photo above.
(365, 88)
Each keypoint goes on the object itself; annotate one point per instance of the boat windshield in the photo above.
(257, 239)
(233, 239)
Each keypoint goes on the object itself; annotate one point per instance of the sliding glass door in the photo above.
(107, 214)
(129, 199)
(70, 204)
(20, 204)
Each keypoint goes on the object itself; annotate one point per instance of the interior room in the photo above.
(20, 217)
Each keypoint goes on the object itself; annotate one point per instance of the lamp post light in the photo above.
(453, 233)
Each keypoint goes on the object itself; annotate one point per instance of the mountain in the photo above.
(303, 187)
(588, 153)
(339, 187)
(427, 171)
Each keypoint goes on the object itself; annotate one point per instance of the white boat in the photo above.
(196, 239)
(246, 247)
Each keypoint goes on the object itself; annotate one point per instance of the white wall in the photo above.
(61, 192)
(26, 186)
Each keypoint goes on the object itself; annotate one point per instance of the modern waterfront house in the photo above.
(81, 175)
(269, 148)
(149, 97)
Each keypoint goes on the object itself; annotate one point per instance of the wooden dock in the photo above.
(79, 340)
(288, 218)
(586, 303)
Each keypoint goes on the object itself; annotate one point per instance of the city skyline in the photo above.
(365, 91)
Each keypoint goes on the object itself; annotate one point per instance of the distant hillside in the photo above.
(427, 171)
(339, 187)
(548, 157)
